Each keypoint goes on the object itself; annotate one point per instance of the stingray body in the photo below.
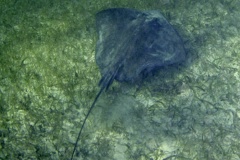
(131, 44)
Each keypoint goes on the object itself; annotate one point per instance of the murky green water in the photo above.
(48, 80)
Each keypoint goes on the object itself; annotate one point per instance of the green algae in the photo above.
(48, 79)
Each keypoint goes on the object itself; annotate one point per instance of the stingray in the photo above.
(131, 44)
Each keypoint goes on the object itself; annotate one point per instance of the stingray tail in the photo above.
(108, 78)
(84, 121)
(104, 83)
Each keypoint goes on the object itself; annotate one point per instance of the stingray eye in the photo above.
(154, 23)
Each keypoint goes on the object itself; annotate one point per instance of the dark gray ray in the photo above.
(131, 44)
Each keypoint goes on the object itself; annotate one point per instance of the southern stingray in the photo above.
(130, 45)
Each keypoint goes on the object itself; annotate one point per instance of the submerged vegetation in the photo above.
(48, 79)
